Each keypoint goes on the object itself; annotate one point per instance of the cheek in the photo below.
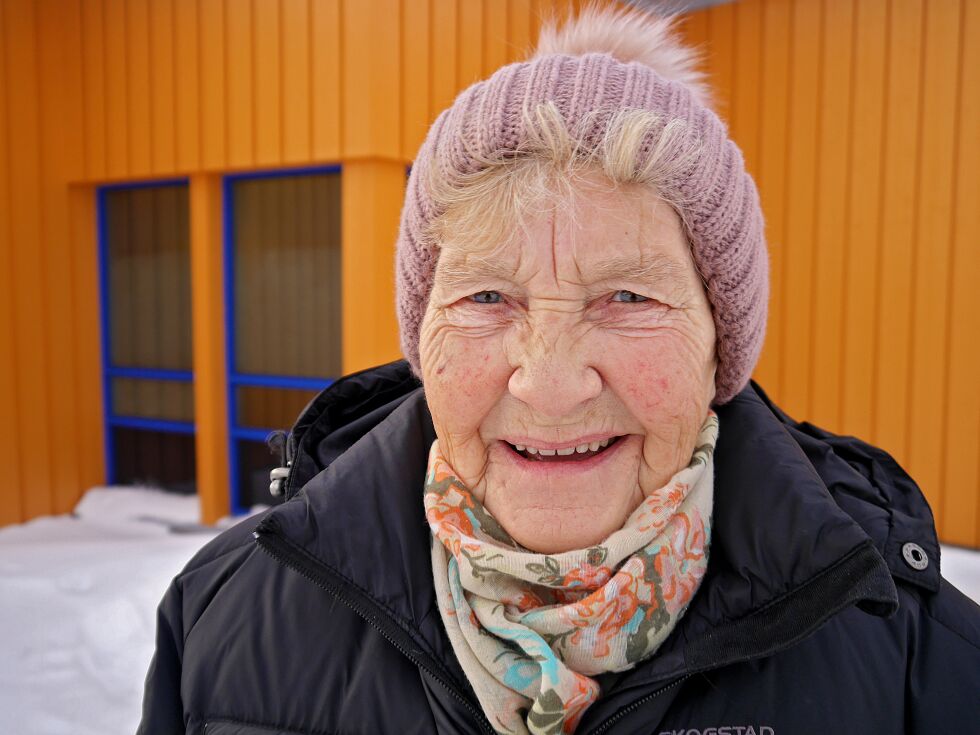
(465, 364)
(655, 376)
(646, 381)
(464, 378)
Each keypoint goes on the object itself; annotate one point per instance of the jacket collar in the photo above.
(785, 555)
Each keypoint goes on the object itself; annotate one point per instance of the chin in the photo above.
(551, 537)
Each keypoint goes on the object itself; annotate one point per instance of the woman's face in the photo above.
(573, 335)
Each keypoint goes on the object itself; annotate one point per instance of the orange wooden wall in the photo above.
(857, 117)
(96, 91)
(860, 121)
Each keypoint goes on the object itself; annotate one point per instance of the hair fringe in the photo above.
(638, 151)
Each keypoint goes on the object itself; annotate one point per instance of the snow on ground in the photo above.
(78, 598)
(961, 567)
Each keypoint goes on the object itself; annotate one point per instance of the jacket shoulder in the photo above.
(225, 544)
(870, 486)
(188, 595)
(941, 633)
(953, 611)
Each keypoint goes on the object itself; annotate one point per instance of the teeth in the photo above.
(580, 449)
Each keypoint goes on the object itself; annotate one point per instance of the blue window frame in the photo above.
(247, 432)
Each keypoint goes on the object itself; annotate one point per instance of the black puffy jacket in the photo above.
(318, 616)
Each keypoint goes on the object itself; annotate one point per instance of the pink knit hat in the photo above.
(601, 63)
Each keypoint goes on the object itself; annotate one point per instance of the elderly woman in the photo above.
(586, 519)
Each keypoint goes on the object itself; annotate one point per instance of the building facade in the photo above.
(199, 201)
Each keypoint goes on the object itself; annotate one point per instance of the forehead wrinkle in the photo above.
(554, 249)
(648, 264)
(607, 218)
(574, 234)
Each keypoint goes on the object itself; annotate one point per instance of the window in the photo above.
(144, 256)
(282, 240)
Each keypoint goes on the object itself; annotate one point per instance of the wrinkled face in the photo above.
(568, 374)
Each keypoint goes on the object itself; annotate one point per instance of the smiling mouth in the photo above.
(570, 454)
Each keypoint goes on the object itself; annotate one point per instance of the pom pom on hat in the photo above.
(627, 35)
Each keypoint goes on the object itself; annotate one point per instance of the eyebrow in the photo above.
(455, 275)
(653, 269)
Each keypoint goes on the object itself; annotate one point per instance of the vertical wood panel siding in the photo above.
(862, 139)
(902, 139)
(27, 261)
(59, 151)
(859, 296)
(210, 358)
(857, 118)
(163, 142)
(296, 75)
(960, 509)
(11, 505)
(929, 326)
(187, 106)
(326, 79)
(86, 383)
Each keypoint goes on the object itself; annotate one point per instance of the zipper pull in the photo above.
(278, 442)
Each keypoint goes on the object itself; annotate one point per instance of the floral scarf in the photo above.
(531, 629)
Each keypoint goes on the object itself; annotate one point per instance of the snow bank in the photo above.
(78, 598)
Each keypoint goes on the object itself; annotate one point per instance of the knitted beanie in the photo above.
(598, 64)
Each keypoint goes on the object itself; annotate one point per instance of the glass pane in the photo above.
(287, 275)
(153, 399)
(254, 462)
(270, 408)
(155, 458)
(148, 253)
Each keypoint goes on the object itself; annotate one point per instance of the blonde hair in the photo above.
(638, 152)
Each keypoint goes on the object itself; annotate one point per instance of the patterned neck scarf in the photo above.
(531, 629)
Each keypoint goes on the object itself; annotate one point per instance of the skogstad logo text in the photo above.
(724, 730)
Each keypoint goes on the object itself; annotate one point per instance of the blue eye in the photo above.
(487, 297)
(628, 297)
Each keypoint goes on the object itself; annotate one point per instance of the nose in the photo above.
(553, 374)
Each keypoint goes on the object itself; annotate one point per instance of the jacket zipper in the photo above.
(609, 722)
(323, 577)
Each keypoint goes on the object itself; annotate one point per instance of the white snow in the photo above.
(961, 567)
(78, 598)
